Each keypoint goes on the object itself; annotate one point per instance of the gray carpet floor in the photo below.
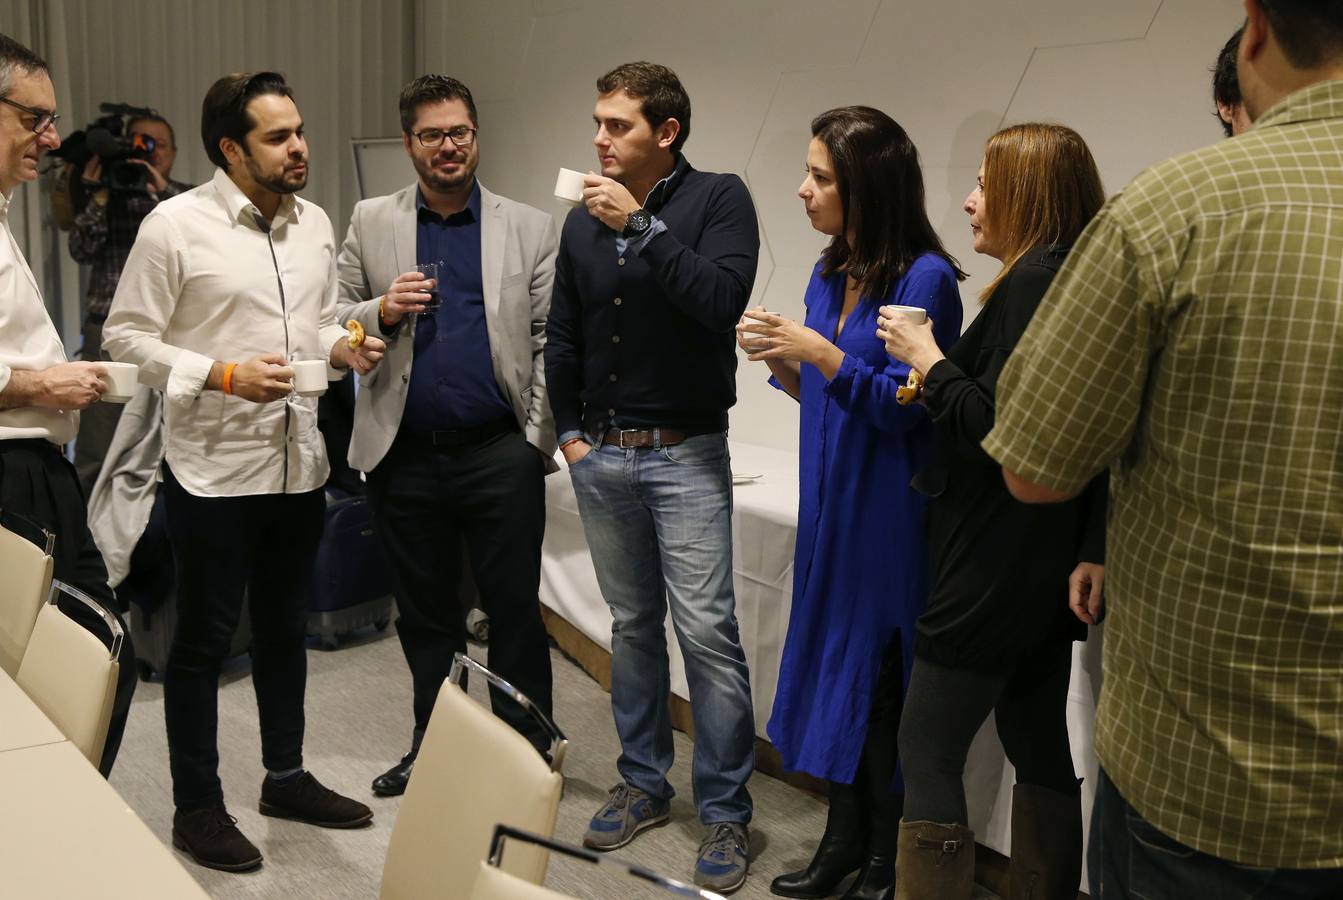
(358, 723)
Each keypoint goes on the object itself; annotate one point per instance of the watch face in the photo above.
(637, 222)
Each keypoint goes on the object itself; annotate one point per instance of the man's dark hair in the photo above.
(224, 112)
(1226, 80)
(1310, 32)
(658, 91)
(172, 132)
(876, 169)
(433, 89)
(16, 58)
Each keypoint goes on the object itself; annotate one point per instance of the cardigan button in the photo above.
(621, 261)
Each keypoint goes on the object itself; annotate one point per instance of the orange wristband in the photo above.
(227, 381)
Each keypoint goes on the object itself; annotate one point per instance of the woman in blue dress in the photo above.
(849, 646)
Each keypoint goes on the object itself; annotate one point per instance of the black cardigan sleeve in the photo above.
(564, 348)
(712, 281)
(961, 402)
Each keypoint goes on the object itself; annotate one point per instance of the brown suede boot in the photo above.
(934, 862)
(1046, 859)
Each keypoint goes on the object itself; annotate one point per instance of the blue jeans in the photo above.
(658, 523)
(1130, 858)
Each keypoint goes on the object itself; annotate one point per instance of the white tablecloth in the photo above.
(764, 526)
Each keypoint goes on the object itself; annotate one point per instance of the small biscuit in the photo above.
(356, 333)
(911, 391)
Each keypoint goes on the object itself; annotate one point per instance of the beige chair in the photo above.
(70, 675)
(472, 772)
(24, 584)
(494, 884)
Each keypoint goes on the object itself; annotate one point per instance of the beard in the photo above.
(287, 182)
(439, 181)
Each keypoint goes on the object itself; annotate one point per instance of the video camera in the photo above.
(106, 138)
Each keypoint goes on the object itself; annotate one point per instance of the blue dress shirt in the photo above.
(452, 383)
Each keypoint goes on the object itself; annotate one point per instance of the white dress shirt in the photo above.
(205, 281)
(28, 340)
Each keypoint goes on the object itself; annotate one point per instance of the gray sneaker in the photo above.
(724, 857)
(627, 812)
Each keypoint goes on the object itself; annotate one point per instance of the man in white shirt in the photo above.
(39, 391)
(227, 285)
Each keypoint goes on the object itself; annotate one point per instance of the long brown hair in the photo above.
(881, 189)
(1041, 186)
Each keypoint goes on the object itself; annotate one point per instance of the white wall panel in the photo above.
(1132, 76)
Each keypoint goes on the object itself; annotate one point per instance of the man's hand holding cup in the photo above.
(262, 380)
(409, 293)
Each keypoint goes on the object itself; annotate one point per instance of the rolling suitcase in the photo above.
(350, 586)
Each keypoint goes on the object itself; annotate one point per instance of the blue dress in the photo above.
(860, 562)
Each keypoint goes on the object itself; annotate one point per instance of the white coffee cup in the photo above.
(309, 377)
(122, 380)
(569, 186)
(916, 315)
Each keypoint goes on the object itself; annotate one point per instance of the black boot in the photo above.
(1046, 862)
(876, 880)
(840, 852)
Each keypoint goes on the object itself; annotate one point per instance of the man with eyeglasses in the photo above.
(454, 430)
(102, 236)
(40, 392)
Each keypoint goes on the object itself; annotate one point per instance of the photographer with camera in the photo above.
(120, 192)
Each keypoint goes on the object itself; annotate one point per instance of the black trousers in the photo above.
(38, 486)
(490, 493)
(944, 709)
(261, 545)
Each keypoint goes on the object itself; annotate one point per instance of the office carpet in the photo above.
(358, 723)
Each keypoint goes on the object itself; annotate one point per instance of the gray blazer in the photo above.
(517, 265)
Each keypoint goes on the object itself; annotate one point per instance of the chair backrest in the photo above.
(517, 838)
(24, 585)
(496, 884)
(472, 772)
(70, 675)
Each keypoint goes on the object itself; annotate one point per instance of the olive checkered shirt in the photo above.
(1194, 343)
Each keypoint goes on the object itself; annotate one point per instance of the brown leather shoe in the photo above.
(210, 836)
(304, 799)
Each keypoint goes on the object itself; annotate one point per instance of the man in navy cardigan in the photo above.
(653, 272)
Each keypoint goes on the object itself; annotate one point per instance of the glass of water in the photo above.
(429, 271)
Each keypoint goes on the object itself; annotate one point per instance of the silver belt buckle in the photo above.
(623, 432)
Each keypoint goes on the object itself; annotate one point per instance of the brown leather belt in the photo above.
(624, 438)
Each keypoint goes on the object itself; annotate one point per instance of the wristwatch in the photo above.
(636, 224)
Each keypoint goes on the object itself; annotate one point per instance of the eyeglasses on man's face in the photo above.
(42, 118)
(430, 138)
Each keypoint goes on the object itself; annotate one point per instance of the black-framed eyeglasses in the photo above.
(42, 119)
(462, 136)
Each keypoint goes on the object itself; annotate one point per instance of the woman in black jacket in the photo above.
(997, 632)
